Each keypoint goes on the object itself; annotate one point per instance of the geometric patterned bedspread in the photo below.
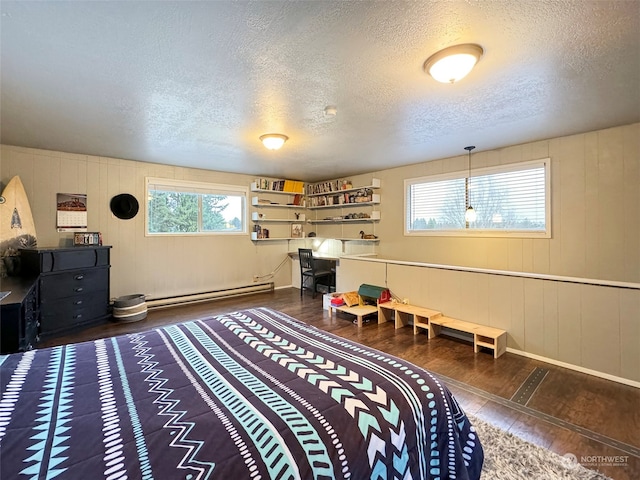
(253, 394)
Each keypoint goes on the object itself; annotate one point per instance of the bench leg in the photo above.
(501, 345)
(434, 330)
(476, 347)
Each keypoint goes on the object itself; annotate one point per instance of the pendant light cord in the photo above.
(468, 149)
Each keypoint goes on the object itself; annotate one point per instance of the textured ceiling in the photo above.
(196, 83)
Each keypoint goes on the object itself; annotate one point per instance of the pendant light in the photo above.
(470, 213)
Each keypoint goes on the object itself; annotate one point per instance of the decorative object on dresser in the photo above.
(73, 284)
(87, 238)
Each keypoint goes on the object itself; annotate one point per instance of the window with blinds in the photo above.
(509, 200)
(180, 207)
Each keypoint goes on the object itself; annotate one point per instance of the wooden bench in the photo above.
(404, 314)
(358, 310)
(488, 337)
(432, 322)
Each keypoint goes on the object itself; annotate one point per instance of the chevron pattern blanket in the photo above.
(253, 394)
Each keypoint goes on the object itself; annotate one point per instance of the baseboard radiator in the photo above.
(165, 302)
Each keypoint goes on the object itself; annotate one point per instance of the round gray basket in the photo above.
(130, 308)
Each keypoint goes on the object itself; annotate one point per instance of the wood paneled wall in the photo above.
(155, 266)
(595, 208)
(595, 201)
(590, 326)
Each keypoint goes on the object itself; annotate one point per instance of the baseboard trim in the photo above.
(577, 368)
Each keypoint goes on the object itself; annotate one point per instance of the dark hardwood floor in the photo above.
(569, 412)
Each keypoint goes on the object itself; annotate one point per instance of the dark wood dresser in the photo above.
(73, 285)
(18, 314)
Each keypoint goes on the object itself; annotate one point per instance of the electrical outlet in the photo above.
(405, 301)
(255, 278)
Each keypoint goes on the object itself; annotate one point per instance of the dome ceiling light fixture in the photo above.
(453, 63)
(273, 141)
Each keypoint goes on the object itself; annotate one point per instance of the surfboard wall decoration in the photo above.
(17, 229)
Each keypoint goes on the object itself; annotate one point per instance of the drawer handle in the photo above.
(78, 316)
(79, 289)
(79, 277)
(78, 302)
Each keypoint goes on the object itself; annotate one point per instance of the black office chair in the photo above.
(310, 275)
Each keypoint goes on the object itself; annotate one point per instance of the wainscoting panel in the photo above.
(569, 325)
(592, 327)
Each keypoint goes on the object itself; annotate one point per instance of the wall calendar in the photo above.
(71, 212)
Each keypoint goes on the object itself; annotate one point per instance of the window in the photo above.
(509, 200)
(180, 207)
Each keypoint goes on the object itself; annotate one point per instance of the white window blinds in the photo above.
(509, 199)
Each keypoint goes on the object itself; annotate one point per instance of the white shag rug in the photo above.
(508, 457)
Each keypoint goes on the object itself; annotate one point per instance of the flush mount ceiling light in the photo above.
(453, 63)
(273, 141)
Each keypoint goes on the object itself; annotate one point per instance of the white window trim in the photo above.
(197, 187)
(546, 162)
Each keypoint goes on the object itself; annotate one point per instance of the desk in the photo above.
(329, 262)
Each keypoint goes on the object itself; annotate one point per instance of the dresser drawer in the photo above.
(78, 282)
(73, 311)
(57, 260)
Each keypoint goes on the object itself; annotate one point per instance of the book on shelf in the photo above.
(292, 186)
(328, 187)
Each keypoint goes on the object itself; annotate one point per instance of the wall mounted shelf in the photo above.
(375, 200)
(375, 183)
(286, 187)
(255, 202)
(375, 217)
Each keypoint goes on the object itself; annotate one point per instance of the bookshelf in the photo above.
(278, 206)
(343, 211)
(340, 210)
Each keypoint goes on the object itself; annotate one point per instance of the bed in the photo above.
(253, 394)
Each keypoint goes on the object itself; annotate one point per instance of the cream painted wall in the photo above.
(592, 327)
(595, 197)
(595, 203)
(595, 207)
(155, 266)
